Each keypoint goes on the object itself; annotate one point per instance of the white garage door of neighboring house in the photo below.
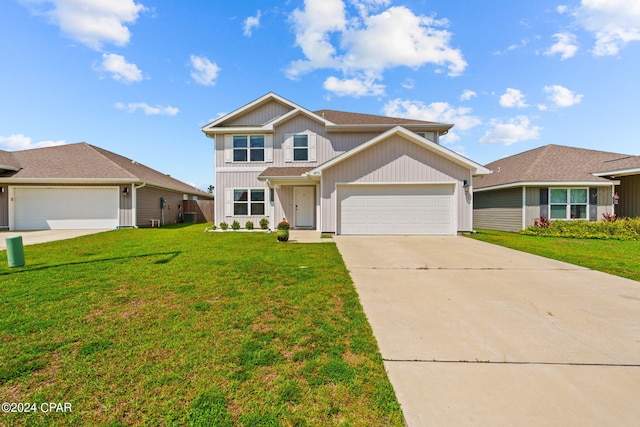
(396, 209)
(65, 208)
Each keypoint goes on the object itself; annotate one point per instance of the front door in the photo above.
(304, 207)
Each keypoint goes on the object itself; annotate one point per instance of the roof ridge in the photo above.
(100, 152)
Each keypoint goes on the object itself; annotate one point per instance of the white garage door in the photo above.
(396, 209)
(65, 208)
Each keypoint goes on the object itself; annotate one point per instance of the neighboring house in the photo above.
(83, 186)
(338, 172)
(556, 182)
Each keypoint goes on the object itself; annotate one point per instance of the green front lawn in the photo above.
(175, 326)
(618, 257)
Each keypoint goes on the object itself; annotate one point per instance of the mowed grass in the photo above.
(175, 327)
(618, 257)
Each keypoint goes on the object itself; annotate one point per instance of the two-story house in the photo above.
(338, 172)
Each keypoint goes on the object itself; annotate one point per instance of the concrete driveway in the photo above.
(43, 236)
(477, 334)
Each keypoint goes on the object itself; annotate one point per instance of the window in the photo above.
(300, 148)
(568, 203)
(248, 202)
(248, 148)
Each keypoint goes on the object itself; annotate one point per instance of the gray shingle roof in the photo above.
(550, 163)
(83, 161)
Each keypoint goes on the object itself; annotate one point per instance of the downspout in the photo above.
(134, 203)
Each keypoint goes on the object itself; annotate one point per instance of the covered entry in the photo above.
(396, 209)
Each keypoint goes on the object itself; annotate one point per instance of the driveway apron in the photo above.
(477, 334)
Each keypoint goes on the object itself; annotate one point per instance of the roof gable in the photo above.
(548, 164)
(475, 168)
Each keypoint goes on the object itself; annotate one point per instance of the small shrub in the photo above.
(621, 229)
(284, 225)
(264, 223)
(607, 217)
(224, 225)
(235, 225)
(249, 225)
(542, 222)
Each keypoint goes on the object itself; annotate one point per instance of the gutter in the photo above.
(134, 203)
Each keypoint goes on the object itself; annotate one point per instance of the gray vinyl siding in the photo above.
(148, 206)
(532, 205)
(4, 206)
(498, 210)
(629, 192)
(397, 161)
(605, 202)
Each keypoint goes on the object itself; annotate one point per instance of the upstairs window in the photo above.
(568, 203)
(248, 148)
(300, 148)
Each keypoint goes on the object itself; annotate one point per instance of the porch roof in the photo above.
(284, 172)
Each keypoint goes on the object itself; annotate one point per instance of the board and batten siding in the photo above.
(261, 115)
(238, 180)
(394, 161)
(498, 209)
(629, 193)
(328, 145)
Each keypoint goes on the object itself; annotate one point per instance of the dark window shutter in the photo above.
(544, 202)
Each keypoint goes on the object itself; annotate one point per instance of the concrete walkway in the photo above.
(477, 334)
(43, 236)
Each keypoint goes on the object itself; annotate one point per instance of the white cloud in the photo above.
(353, 87)
(514, 130)
(565, 45)
(614, 23)
(467, 95)
(120, 69)
(370, 43)
(21, 142)
(561, 96)
(513, 98)
(250, 23)
(204, 71)
(149, 110)
(90, 22)
(441, 112)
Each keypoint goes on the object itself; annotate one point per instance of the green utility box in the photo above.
(189, 217)
(15, 251)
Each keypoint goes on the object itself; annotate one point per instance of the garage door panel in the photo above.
(66, 208)
(396, 209)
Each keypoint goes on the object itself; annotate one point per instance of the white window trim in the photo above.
(268, 148)
(568, 205)
(311, 147)
(229, 201)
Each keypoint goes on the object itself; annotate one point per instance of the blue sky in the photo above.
(141, 78)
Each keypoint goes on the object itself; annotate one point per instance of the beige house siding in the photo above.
(148, 206)
(4, 206)
(498, 210)
(261, 115)
(126, 204)
(605, 201)
(395, 160)
(629, 192)
(237, 180)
